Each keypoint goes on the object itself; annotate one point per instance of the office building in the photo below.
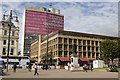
(64, 43)
(40, 21)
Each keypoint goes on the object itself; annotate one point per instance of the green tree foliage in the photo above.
(118, 52)
(49, 57)
(118, 41)
(109, 50)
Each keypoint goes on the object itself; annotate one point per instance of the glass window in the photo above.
(12, 42)
(65, 54)
(88, 42)
(75, 41)
(60, 40)
(5, 32)
(4, 42)
(60, 54)
(93, 55)
(65, 40)
(79, 42)
(89, 54)
(84, 42)
(70, 41)
(12, 50)
(84, 54)
(4, 51)
(92, 42)
(13, 33)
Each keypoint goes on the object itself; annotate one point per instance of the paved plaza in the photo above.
(60, 73)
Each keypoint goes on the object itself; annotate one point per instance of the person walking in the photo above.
(85, 68)
(30, 66)
(14, 67)
(36, 69)
(91, 66)
(68, 66)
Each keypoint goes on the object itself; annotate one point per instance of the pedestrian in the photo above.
(91, 66)
(85, 68)
(36, 69)
(68, 65)
(14, 67)
(29, 66)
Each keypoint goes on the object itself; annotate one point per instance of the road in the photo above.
(60, 73)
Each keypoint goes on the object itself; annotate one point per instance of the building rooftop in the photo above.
(43, 9)
(79, 34)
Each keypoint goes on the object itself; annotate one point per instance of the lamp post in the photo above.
(19, 59)
(10, 18)
(46, 52)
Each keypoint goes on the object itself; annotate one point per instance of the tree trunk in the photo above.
(112, 62)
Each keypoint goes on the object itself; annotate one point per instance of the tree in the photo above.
(109, 50)
(49, 57)
(118, 51)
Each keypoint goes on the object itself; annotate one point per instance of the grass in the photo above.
(119, 69)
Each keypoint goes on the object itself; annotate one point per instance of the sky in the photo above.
(87, 17)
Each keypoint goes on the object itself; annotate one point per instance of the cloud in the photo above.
(98, 18)
(95, 17)
(60, 0)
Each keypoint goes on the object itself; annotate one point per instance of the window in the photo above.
(65, 54)
(88, 42)
(84, 48)
(70, 47)
(75, 41)
(60, 46)
(4, 51)
(92, 42)
(96, 43)
(12, 42)
(89, 54)
(13, 33)
(70, 54)
(97, 55)
(60, 54)
(80, 48)
(88, 48)
(79, 42)
(60, 40)
(84, 42)
(80, 54)
(65, 47)
(12, 50)
(84, 54)
(70, 41)
(93, 55)
(65, 40)
(4, 42)
(5, 32)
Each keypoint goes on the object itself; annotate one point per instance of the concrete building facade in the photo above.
(40, 21)
(64, 43)
(4, 31)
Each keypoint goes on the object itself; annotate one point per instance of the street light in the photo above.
(10, 18)
(46, 52)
